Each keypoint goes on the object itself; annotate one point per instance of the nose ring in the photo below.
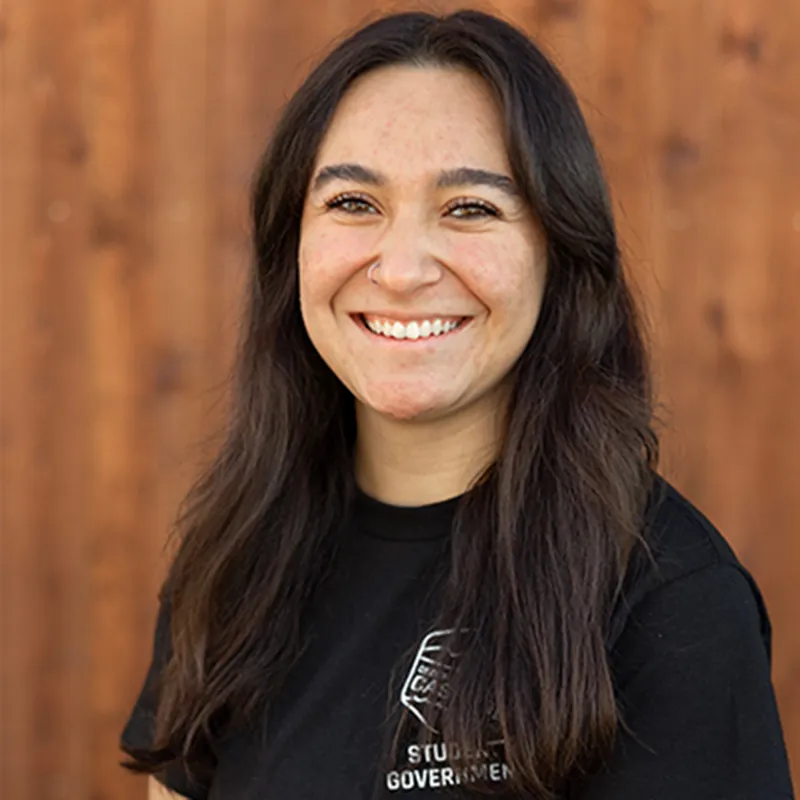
(373, 267)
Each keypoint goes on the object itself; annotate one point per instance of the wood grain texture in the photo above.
(129, 132)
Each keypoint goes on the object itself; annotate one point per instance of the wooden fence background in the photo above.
(129, 130)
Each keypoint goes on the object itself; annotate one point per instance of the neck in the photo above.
(412, 463)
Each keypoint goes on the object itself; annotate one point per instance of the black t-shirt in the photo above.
(690, 653)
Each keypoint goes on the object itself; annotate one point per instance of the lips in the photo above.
(405, 319)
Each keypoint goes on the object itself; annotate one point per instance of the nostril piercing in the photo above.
(371, 270)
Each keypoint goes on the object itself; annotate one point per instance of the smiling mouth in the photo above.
(414, 331)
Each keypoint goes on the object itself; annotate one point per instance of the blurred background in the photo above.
(129, 133)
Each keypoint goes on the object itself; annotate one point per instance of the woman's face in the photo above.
(413, 171)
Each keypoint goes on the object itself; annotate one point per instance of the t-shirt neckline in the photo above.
(381, 520)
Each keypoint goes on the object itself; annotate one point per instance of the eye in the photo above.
(472, 209)
(351, 204)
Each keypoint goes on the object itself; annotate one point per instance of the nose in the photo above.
(407, 262)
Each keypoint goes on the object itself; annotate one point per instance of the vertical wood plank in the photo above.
(182, 216)
(125, 532)
(18, 141)
(47, 604)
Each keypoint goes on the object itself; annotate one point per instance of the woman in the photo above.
(433, 557)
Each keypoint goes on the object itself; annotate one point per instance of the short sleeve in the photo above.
(140, 727)
(692, 673)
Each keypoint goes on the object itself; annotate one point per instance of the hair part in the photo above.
(540, 543)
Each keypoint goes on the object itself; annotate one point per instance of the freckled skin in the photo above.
(409, 124)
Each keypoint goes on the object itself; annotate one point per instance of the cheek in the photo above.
(326, 260)
(506, 276)
(317, 253)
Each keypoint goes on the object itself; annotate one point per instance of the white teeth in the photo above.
(398, 331)
(413, 330)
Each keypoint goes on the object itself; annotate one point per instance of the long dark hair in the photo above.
(541, 540)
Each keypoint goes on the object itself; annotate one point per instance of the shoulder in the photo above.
(689, 657)
(691, 571)
(682, 538)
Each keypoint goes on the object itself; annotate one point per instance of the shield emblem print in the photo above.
(426, 687)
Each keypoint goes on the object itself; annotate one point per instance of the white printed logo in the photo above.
(440, 764)
(426, 686)
(429, 766)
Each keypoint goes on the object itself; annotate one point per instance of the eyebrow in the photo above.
(460, 176)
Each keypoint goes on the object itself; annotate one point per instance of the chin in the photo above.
(404, 412)
(405, 405)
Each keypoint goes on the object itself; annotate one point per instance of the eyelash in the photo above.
(341, 199)
(486, 208)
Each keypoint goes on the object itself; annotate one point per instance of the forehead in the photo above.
(427, 117)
